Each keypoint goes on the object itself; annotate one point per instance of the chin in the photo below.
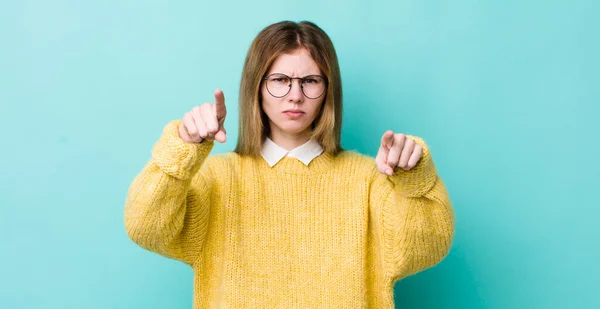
(294, 129)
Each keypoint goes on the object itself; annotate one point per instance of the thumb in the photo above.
(221, 135)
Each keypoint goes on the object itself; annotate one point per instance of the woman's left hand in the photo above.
(397, 150)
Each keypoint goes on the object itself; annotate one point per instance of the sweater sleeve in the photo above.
(413, 216)
(157, 214)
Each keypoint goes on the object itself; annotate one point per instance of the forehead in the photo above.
(296, 63)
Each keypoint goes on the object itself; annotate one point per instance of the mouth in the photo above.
(293, 113)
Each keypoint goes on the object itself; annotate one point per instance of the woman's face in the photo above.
(292, 114)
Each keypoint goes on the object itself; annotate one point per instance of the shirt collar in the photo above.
(273, 153)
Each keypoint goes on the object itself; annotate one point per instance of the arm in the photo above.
(157, 215)
(413, 217)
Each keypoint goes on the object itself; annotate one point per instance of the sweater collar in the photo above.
(273, 153)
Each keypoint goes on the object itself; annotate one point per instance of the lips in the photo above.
(294, 113)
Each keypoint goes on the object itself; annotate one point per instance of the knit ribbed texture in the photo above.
(333, 234)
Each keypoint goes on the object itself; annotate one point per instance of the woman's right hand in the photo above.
(205, 122)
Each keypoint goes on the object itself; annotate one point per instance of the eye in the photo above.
(280, 80)
(312, 80)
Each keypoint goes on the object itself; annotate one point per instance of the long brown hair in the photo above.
(272, 41)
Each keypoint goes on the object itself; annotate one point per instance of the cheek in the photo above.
(316, 108)
(263, 92)
(268, 106)
(266, 98)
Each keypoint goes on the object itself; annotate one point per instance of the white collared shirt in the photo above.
(273, 153)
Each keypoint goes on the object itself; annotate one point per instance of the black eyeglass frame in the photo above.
(301, 82)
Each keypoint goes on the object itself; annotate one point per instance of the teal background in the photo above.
(504, 92)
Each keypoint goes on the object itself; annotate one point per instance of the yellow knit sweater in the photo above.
(333, 234)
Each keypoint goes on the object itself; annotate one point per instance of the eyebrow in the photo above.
(312, 74)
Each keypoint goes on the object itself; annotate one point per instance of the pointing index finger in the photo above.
(220, 110)
(387, 140)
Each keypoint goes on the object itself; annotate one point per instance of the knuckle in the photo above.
(196, 113)
(191, 129)
(206, 106)
(192, 132)
(206, 111)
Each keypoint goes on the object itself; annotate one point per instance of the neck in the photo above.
(289, 141)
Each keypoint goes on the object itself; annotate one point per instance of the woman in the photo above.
(289, 219)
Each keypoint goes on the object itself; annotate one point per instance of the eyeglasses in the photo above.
(312, 86)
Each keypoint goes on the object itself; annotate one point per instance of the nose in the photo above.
(295, 94)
